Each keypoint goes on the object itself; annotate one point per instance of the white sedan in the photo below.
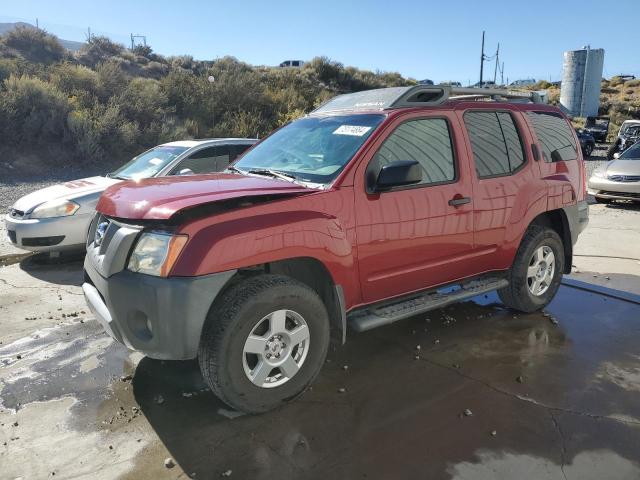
(57, 218)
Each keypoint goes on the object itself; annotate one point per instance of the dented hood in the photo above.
(161, 198)
(75, 190)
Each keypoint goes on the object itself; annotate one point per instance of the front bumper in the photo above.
(160, 317)
(49, 234)
(605, 188)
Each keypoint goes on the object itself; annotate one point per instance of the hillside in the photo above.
(71, 45)
(102, 104)
(619, 100)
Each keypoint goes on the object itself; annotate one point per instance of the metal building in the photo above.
(581, 81)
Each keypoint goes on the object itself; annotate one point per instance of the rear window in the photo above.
(495, 142)
(555, 136)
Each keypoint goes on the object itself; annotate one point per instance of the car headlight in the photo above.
(55, 208)
(155, 253)
(599, 173)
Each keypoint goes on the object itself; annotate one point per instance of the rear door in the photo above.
(411, 238)
(506, 182)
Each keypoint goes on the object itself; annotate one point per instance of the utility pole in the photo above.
(37, 24)
(133, 37)
(502, 74)
(495, 70)
(482, 58)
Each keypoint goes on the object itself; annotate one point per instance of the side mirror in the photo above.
(398, 173)
(616, 155)
(186, 171)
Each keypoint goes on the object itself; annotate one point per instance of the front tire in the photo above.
(602, 200)
(264, 341)
(534, 277)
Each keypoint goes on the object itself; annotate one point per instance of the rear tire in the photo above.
(588, 149)
(262, 317)
(537, 267)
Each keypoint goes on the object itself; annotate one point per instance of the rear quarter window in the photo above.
(555, 136)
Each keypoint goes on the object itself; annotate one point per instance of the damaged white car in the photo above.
(57, 218)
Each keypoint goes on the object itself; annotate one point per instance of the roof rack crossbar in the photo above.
(419, 95)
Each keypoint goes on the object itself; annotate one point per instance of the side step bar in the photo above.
(383, 314)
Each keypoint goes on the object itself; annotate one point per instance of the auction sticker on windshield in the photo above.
(353, 130)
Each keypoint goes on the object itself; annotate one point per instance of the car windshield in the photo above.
(148, 163)
(630, 130)
(632, 153)
(312, 149)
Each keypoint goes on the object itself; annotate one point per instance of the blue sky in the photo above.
(418, 39)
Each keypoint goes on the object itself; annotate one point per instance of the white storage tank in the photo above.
(581, 82)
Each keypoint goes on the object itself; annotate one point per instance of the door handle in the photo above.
(458, 200)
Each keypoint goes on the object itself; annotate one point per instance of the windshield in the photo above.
(630, 129)
(313, 149)
(632, 153)
(148, 163)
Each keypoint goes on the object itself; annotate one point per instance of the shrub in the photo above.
(99, 49)
(143, 101)
(74, 79)
(111, 80)
(34, 44)
(542, 85)
(32, 111)
(615, 81)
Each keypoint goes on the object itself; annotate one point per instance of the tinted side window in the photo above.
(555, 136)
(495, 142)
(237, 150)
(207, 160)
(427, 141)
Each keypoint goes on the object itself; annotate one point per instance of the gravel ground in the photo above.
(12, 187)
(597, 158)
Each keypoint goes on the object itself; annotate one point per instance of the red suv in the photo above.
(367, 211)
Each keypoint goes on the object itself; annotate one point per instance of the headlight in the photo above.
(155, 253)
(55, 208)
(599, 173)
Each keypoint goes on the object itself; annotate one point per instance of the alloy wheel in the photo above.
(541, 270)
(276, 348)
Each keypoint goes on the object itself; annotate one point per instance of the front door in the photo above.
(411, 238)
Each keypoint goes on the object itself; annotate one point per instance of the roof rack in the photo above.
(422, 95)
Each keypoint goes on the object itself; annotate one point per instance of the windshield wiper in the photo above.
(231, 168)
(111, 175)
(273, 173)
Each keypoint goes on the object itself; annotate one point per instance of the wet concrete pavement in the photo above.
(549, 396)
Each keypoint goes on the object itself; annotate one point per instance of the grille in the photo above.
(12, 236)
(624, 178)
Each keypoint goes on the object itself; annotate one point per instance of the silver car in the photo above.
(619, 179)
(57, 218)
